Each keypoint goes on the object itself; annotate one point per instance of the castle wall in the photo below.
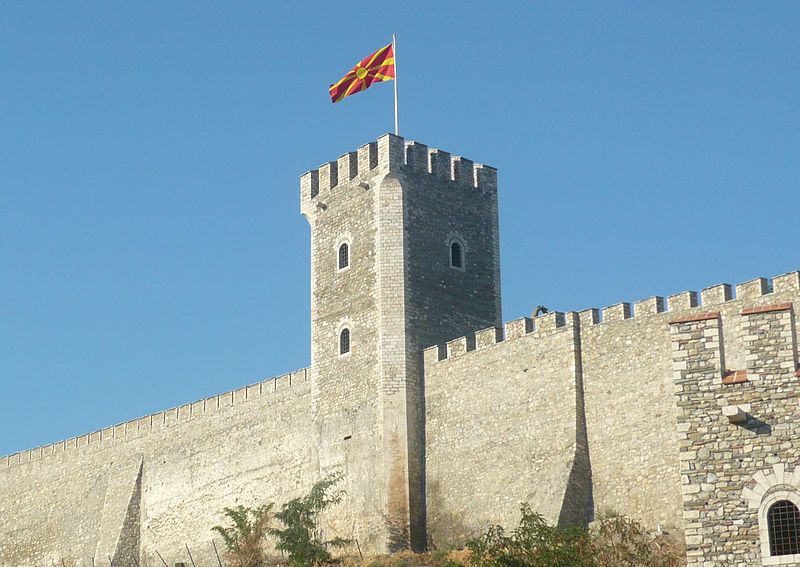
(445, 199)
(631, 414)
(502, 428)
(738, 425)
(631, 409)
(161, 481)
(682, 413)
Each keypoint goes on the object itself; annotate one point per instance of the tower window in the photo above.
(456, 255)
(783, 521)
(344, 256)
(344, 341)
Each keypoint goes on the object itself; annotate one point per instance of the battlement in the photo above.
(392, 153)
(687, 301)
(544, 325)
(136, 428)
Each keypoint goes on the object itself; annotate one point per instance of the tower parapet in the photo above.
(388, 154)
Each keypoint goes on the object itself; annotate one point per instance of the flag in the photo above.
(372, 69)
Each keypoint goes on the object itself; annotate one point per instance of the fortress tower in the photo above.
(404, 255)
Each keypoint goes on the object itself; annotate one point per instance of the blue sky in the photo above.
(151, 248)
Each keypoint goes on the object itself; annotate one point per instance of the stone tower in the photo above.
(404, 255)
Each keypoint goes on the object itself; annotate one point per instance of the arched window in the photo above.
(456, 255)
(344, 341)
(783, 521)
(344, 255)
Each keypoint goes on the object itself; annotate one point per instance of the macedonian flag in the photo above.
(372, 69)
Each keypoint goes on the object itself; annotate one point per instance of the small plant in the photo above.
(244, 538)
(302, 537)
(532, 543)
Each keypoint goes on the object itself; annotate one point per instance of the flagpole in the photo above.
(396, 121)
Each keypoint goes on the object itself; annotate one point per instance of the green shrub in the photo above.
(614, 541)
(301, 537)
(244, 538)
(532, 543)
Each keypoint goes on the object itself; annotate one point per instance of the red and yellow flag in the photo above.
(372, 69)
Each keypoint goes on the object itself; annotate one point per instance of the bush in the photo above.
(623, 542)
(614, 541)
(302, 538)
(532, 543)
(244, 539)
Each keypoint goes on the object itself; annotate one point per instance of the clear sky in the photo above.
(151, 246)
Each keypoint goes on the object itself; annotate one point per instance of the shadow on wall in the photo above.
(577, 507)
(445, 529)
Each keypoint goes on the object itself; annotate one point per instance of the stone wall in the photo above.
(629, 382)
(502, 428)
(738, 427)
(161, 480)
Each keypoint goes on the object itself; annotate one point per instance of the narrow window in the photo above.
(344, 256)
(344, 341)
(456, 255)
(783, 521)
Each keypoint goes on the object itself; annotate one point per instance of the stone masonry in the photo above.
(683, 412)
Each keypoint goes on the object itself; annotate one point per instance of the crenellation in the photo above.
(549, 322)
(158, 419)
(716, 294)
(617, 312)
(391, 152)
(252, 391)
(184, 412)
(439, 163)
(650, 306)
(282, 382)
(486, 177)
(431, 355)
(457, 347)
(367, 158)
(488, 337)
(135, 427)
(682, 301)
(589, 316)
(787, 283)
(752, 289)
(309, 185)
(518, 328)
(347, 166)
(463, 171)
(328, 176)
(544, 324)
(417, 156)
